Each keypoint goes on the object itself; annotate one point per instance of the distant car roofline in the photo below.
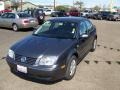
(71, 19)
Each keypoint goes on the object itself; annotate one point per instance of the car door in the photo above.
(119, 16)
(83, 41)
(91, 34)
(10, 20)
(3, 19)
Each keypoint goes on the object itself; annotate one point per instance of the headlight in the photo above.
(46, 60)
(11, 54)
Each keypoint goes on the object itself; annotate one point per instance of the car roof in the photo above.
(16, 12)
(20, 13)
(71, 19)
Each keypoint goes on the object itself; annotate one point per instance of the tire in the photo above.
(116, 19)
(110, 19)
(71, 68)
(101, 18)
(15, 27)
(94, 44)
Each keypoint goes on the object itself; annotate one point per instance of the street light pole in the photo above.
(54, 4)
(73, 2)
(111, 5)
(21, 4)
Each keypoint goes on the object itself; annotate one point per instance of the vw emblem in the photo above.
(23, 59)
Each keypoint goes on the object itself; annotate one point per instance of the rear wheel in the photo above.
(15, 27)
(71, 68)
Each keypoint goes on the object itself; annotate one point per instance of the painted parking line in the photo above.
(97, 62)
(110, 48)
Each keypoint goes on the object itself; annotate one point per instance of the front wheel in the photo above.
(94, 45)
(71, 68)
(116, 19)
(101, 18)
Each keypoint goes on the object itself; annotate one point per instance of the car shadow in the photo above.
(35, 80)
(21, 30)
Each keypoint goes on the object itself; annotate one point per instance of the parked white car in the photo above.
(85, 13)
(48, 12)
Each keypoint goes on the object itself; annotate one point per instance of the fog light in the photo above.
(63, 66)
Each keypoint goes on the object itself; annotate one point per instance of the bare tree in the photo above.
(96, 8)
(80, 4)
(15, 4)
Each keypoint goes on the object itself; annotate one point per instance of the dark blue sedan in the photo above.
(54, 50)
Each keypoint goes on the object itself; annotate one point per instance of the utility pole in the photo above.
(54, 4)
(21, 4)
(73, 2)
(111, 5)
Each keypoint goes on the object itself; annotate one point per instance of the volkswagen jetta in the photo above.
(55, 49)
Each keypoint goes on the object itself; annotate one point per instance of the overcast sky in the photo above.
(88, 3)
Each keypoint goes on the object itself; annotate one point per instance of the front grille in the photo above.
(29, 60)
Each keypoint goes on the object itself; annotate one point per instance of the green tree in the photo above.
(80, 4)
(61, 8)
(96, 8)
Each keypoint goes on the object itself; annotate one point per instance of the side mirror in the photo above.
(84, 36)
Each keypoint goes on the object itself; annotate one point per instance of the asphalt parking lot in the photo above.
(100, 70)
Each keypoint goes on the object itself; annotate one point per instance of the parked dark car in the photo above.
(58, 14)
(96, 16)
(102, 15)
(54, 50)
(37, 13)
(74, 13)
(115, 16)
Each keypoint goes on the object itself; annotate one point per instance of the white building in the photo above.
(2, 5)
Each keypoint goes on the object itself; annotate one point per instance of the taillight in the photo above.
(26, 21)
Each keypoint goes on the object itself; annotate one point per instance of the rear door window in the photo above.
(23, 15)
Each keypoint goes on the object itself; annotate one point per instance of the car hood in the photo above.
(34, 46)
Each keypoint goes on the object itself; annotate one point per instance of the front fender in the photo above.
(71, 53)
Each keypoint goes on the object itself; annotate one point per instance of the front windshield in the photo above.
(57, 29)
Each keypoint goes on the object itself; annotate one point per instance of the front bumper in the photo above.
(43, 73)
